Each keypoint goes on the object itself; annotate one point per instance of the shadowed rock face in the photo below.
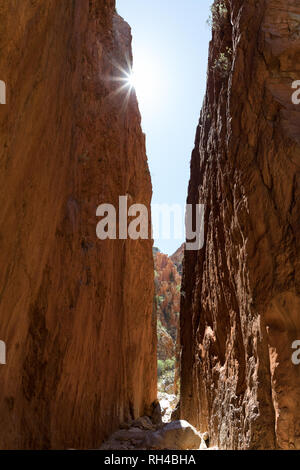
(240, 312)
(75, 312)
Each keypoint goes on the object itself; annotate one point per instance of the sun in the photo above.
(140, 80)
(131, 79)
(144, 78)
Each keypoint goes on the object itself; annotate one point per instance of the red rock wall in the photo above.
(240, 312)
(177, 258)
(75, 312)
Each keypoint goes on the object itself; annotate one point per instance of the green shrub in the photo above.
(169, 364)
(165, 368)
(223, 63)
(218, 14)
(160, 368)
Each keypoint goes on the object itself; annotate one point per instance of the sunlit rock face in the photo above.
(177, 258)
(241, 310)
(76, 312)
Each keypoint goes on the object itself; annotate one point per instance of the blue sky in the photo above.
(170, 48)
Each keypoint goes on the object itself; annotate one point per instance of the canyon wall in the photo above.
(75, 312)
(241, 310)
(177, 258)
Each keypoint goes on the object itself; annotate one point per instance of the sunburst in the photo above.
(144, 78)
(125, 81)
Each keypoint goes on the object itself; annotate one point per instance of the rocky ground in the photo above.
(144, 434)
(158, 432)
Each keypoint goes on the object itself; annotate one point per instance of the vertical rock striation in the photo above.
(241, 309)
(75, 312)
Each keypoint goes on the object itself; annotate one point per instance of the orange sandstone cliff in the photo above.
(241, 310)
(75, 312)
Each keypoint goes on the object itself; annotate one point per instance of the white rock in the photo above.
(177, 435)
(164, 405)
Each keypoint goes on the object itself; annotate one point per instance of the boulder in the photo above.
(177, 435)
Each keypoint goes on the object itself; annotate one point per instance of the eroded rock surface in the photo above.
(143, 435)
(240, 311)
(75, 312)
(177, 258)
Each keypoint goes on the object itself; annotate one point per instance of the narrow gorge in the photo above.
(99, 332)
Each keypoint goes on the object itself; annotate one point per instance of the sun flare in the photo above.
(145, 78)
(131, 79)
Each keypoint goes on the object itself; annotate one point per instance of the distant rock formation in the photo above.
(167, 289)
(177, 258)
(167, 301)
(75, 312)
(240, 312)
